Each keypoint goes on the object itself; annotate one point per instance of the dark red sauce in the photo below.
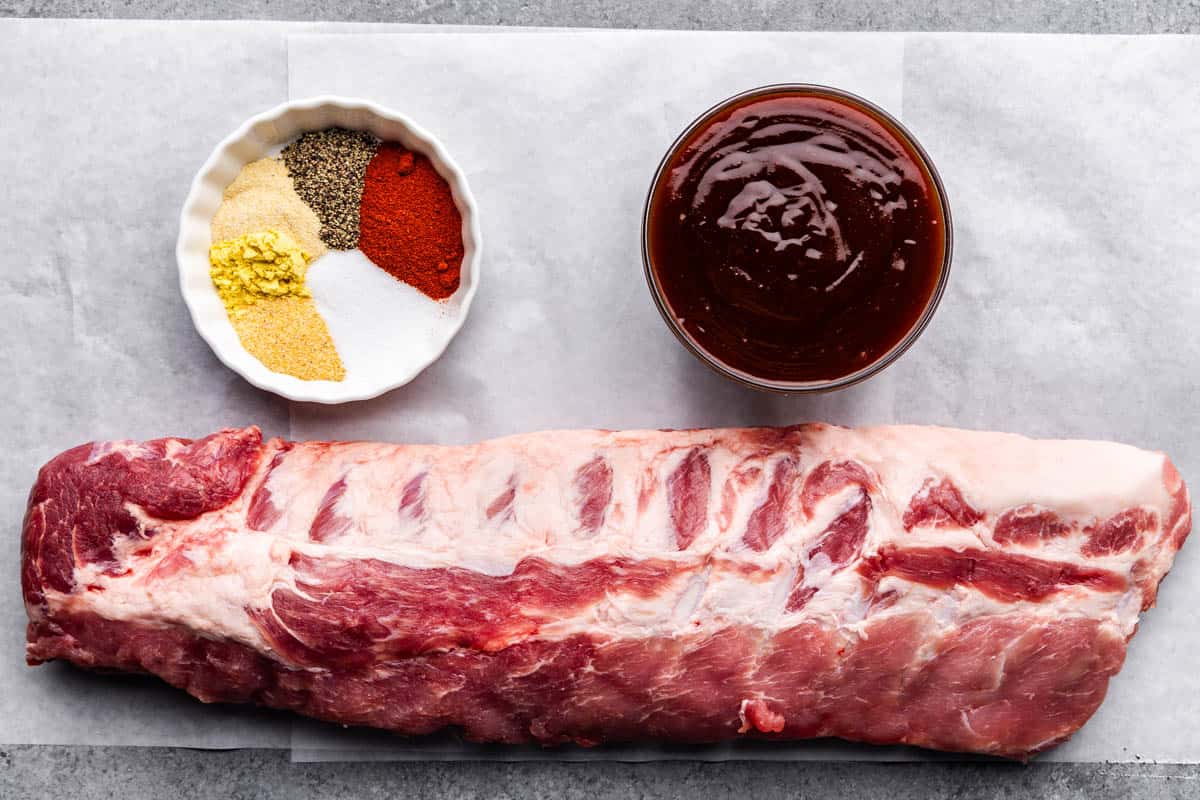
(796, 236)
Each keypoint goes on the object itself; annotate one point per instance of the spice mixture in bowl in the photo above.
(796, 238)
(328, 250)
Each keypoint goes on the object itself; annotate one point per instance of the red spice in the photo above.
(410, 226)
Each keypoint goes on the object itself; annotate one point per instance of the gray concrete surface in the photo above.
(83, 773)
(1050, 16)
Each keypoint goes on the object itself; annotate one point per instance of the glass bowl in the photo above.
(890, 356)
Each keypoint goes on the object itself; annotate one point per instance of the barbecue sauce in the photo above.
(796, 236)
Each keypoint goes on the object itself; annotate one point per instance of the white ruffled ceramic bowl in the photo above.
(414, 336)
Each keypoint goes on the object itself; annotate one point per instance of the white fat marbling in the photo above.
(217, 566)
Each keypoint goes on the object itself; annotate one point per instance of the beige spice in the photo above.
(288, 335)
(263, 196)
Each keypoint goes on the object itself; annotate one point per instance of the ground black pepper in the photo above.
(328, 168)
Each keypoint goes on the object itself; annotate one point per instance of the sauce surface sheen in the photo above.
(796, 237)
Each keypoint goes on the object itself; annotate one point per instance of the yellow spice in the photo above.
(260, 279)
(257, 265)
(263, 197)
(288, 335)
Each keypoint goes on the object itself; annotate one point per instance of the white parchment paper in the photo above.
(1070, 167)
(104, 127)
(1068, 162)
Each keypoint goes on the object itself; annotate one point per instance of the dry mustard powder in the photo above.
(263, 197)
(260, 279)
(257, 265)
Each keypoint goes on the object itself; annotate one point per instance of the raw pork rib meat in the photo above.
(948, 589)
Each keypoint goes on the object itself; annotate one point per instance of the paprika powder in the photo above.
(409, 225)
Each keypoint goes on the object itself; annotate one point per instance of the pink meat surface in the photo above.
(948, 589)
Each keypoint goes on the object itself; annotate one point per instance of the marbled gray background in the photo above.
(95, 772)
(1042, 16)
